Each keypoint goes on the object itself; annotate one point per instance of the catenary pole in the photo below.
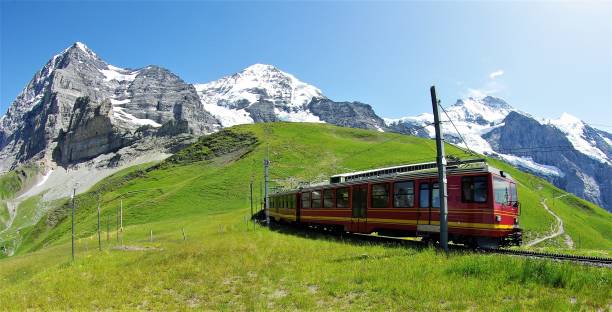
(121, 216)
(266, 200)
(99, 238)
(251, 187)
(73, 208)
(441, 161)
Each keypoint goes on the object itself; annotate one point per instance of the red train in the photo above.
(483, 206)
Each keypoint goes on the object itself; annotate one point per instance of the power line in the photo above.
(457, 130)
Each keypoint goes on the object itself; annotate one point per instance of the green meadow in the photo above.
(187, 243)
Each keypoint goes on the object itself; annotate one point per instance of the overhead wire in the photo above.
(469, 151)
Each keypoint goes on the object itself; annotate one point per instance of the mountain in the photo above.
(119, 107)
(263, 93)
(80, 112)
(565, 151)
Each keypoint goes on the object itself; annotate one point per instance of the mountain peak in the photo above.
(258, 67)
(80, 48)
(257, 83)
(488, 101)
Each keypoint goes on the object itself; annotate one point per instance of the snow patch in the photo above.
(528, 163)
(227, 116)
(120, 102)
(574, 130)
(84, 48)
(44, 178)
(120, 113)
(118, 74)
(296, 116)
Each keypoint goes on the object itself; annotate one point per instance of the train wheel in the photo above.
(487, 243)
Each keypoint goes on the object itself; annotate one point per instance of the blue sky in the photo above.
(544, 58)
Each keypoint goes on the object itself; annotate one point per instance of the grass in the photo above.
(14, 181)
(221, 265)
(224, 266)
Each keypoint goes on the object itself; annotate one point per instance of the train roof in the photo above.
(419, 170)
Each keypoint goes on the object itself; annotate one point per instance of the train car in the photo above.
(483, 206)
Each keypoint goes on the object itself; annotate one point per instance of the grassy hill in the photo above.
(227, 263)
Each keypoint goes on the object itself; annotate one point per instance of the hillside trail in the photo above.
(560, 230)
(12, 210)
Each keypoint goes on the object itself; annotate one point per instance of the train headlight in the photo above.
(516, 221)
(498, 218)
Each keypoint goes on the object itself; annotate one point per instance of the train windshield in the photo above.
(504, 192)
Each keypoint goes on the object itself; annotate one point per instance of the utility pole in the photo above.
(73, 208)
(251, 186)
(117, 226)
(107, 228)
(266, 201)
(99, 239)
(121, 216)
(441, 161)
(260, 196)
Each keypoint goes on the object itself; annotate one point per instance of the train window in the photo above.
(342, 197)
(316, 199)
(513, 194)
(328, 198)
(403, 194)
(306, 200)
(501, 191)
(380, 195)
(435, 196)
(474, 189)
(424, 195)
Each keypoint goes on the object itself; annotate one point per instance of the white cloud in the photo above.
(496, 73)
(490, 87)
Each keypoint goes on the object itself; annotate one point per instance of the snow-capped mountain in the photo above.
(263, 93)
(79, 109)
(259, 93)
(566, 151)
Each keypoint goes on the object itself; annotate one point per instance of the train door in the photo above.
(359, 208)
(429, 207)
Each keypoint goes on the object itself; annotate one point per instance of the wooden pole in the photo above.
(121, 216)
(73, 208)
(99, 238)
(251, 187)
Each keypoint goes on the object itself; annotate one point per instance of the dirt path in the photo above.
(12, 210)
(560, 230)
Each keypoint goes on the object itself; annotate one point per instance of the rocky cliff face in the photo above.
(90, 133)
(545, 144)
(346, 114)
(565, 151)
(130, 100)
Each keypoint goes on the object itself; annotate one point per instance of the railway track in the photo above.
(602, 261)
(586, 260)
